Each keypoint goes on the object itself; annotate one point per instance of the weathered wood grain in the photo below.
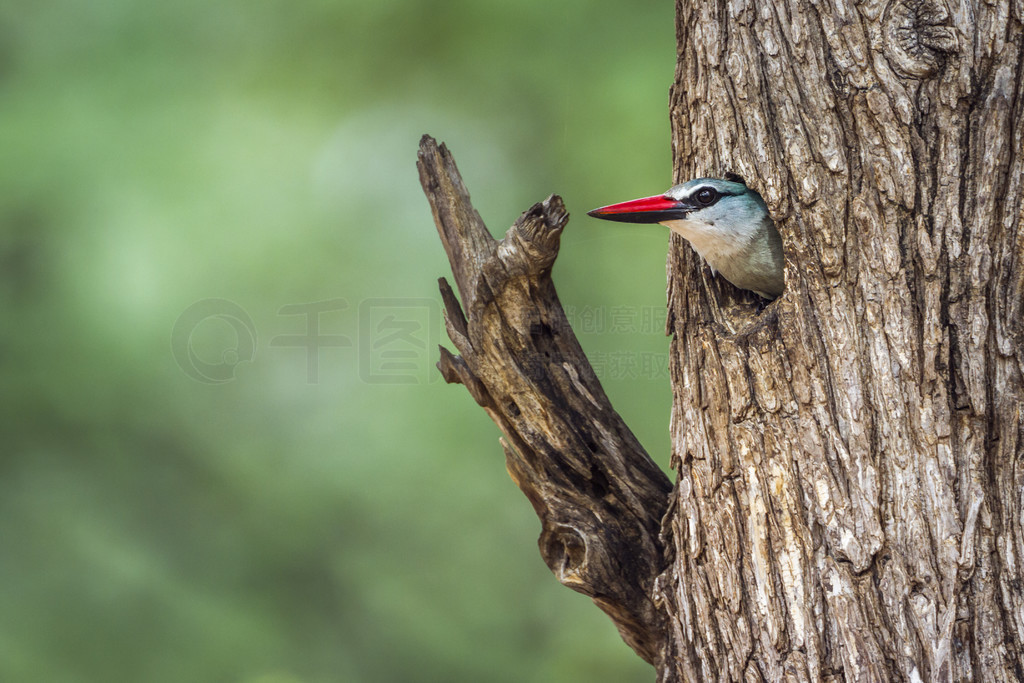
(599, 497)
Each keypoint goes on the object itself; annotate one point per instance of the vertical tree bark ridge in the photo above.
(599, 496)
(850, 466)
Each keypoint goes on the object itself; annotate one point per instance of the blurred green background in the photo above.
(191, 177)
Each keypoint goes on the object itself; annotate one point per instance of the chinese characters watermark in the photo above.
(312, 340)
(394, 340)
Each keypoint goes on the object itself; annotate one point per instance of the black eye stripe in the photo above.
(718, 194)
(704, 196)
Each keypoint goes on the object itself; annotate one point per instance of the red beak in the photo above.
(647, 210)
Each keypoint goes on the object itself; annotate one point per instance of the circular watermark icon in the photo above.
(243, 350)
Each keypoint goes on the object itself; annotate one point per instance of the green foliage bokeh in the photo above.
(274, 529)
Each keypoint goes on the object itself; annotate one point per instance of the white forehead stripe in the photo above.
(685, 191)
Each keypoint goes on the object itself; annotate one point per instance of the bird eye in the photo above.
(706, 196)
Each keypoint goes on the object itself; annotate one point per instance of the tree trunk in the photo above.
(850, 458)
(850, 461)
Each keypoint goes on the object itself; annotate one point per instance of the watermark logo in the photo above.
(201, 316)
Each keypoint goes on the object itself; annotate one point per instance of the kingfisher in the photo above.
(725, 221)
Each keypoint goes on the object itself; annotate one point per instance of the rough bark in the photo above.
(600, 498)
(851, 460)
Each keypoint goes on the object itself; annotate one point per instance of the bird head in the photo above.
(707, 205)
(724, 221)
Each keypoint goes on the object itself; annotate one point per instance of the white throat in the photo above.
(714, 242)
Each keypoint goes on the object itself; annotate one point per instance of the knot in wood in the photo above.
(564, 550)
(918, 36)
